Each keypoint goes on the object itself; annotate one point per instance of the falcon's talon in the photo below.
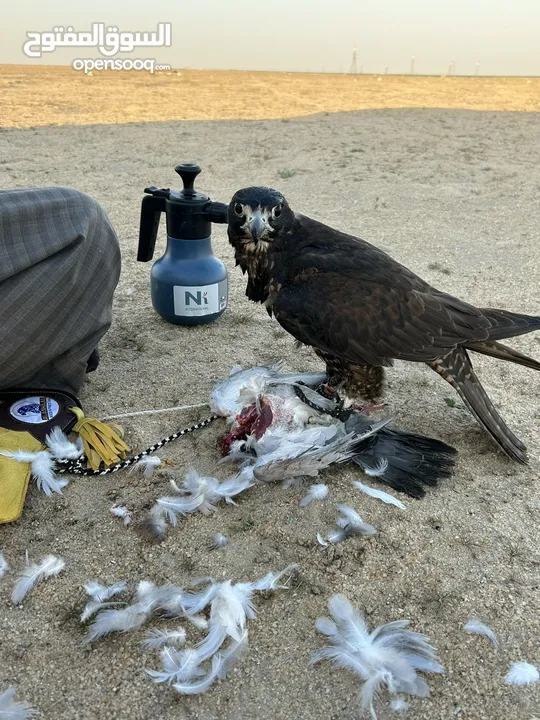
(328, 392)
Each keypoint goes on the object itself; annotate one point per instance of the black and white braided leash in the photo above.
(76, 467)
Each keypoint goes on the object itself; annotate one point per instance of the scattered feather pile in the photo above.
(379, 494)
(12, 710)
(479, 628)
(4, 567)
(522, 673)
(390, 656)
(120, 511)
(189, 670)
(349, 524)
(197, 494)
(34, 574)
(315, 492)
(231, 606)
(99, 595)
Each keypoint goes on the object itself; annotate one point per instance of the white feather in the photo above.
(270, 581)
(42, 464)
(202, 685)
(4, 567)
(178, 665)
(380, 467)
(104, 592)
(99, 595)
(388, 656)
(212, 642)
(479, 628)
(121, 511)
(219, 541)
(156, 523)
(43, 472)
(198, 621)
(32, 575)
(232, 654)
(315, 492)
(12, 710)
(230, 607)
(236, 484)
(522, 673)
(225, 396)
(158, 638)
(399, 704)
(321, 540)
(379, 494)
(351, 524)
(108, 621)
(23, 456)
(61, 447)
(147, 465)
(173, 506)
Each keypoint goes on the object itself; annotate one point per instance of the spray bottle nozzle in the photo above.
(158, 192)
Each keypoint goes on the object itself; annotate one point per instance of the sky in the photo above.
(501, 36)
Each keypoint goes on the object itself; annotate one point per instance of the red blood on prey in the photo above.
(251, 420)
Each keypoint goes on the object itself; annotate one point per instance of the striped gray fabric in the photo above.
(59, 267)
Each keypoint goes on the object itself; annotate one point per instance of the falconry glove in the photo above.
(27, 417)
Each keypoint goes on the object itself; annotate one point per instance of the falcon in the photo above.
(360, 310)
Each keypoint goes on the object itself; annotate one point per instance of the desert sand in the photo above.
(413, 167)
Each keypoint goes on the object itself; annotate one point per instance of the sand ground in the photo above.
(451, 193)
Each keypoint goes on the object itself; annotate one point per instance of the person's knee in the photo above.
(95, 227)
(86, 208)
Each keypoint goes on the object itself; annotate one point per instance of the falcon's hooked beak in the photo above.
(258, 226)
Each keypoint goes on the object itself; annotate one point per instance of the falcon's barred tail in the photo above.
(456, 369)
(506, 324)
(503, 352)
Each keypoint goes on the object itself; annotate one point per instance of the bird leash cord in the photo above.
(27, 419)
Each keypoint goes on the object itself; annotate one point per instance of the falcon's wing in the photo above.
(368, 322)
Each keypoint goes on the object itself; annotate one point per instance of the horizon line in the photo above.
(292, 72)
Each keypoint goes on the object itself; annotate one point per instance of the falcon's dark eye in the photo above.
(277, 211)
(239, 209)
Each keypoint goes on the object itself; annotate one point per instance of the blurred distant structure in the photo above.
(411, 71)
(354, 68)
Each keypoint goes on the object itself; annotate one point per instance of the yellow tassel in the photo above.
(101, 442)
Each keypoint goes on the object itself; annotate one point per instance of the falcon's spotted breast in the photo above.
(359, 309)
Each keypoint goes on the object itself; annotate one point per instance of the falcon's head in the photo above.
(256, 216)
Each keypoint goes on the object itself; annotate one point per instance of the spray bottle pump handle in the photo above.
(188, 172)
